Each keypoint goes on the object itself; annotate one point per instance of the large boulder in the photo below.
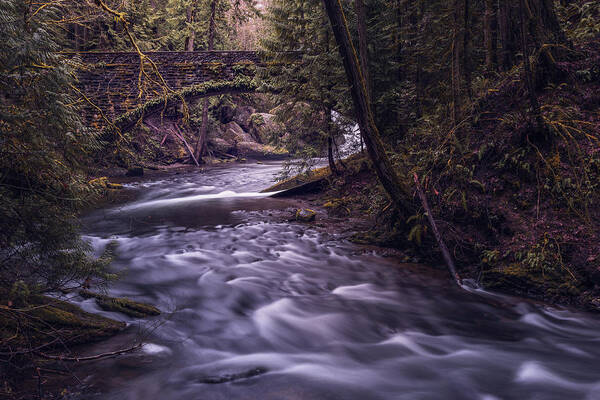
(264, 128)
(232, 139)
(221, 145)
(241, 116)
(233, 133)
(260, 151)
(250, 150)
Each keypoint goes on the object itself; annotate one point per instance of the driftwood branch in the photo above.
(164, 139)
(436, 232)
(180, 136)
(89, 358)
(187, 146)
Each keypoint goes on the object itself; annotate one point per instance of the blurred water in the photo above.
(261, 310)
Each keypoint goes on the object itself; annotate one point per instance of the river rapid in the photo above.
(258, 309)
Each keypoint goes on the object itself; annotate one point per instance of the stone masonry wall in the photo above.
(110, 80)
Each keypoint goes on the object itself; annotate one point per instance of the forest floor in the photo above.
(343, 206)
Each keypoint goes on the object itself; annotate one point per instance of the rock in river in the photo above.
(122, 305)
(305, 215)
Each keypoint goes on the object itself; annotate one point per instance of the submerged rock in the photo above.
(118, 304)
(306, 215)
(214, 380)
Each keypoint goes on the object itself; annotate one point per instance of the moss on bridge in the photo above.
(240, 84)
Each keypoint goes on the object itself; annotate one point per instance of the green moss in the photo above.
(45, 319)
(238, 84)
(257, 119)
(104, 183)
(268, 149)
(298, 180)
(306, 215)
(521, 279)
(116, 304)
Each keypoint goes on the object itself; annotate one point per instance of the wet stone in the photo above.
(215, 380)
(128, 307)
(306, 215)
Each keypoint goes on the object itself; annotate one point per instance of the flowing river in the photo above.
(256, 309)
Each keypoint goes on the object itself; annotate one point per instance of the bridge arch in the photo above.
(206, 89)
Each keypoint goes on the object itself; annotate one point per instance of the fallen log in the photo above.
(164, 139)
(187, 146)
(225, 154)
(436, 232)
(304, 188)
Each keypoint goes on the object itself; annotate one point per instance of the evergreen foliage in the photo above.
(43, 147)
(307, 74)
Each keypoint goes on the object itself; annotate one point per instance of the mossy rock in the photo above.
(305, 215)
(518, 279)
(392, 239)
(104, 183)
(511, 280)
(45, 319)
(315, 181)
(118, 304)
(110, 185)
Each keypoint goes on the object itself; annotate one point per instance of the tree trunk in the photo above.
(528, 74)
(548, 21)
(398, 40)
(361, 14)
(490, 36)
(202, 139)
(546, 32)
(358, 88)
(189, 41)
(212, 25)
(466, 53)
(506, 24)
(455, 65)
(419, 84)
(330, 158)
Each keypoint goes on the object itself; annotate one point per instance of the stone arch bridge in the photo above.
(109, 82)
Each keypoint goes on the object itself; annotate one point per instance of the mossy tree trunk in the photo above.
(202, 138)
(455, 69)
(528, 74)
(508, 28)
(490, 36)
(362, 107)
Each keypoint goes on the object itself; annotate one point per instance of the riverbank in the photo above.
(44, 338)
(542, 267)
